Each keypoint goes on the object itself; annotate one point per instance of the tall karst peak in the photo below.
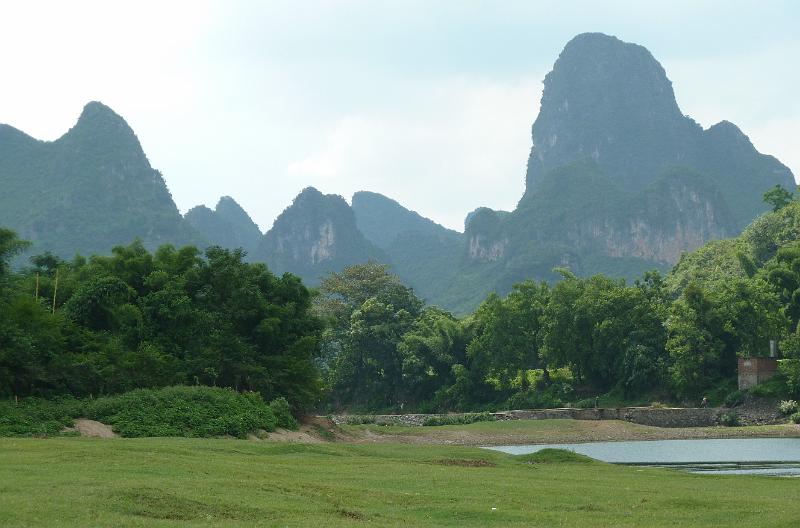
(88, 191)
(98, 121)
(610, 101)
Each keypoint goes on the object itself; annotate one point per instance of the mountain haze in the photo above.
(227, 225)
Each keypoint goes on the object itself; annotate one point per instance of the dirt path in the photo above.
(551, 432)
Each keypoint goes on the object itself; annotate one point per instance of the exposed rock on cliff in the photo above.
(317, 234)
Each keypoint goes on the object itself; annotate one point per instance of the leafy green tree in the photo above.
(508, 339)
(10, 246)
(696, 342)
(778, 197)
(369, 310)
(429, 350)
(607, 333)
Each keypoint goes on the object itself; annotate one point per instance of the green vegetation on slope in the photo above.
(228, 225)
(230, 483)
(314, 236)
(88, 191)
(171, 411)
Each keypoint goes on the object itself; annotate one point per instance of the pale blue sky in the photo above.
(428, 102)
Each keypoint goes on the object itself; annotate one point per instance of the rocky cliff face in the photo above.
(317, 234)
(611, 102)
(227, 225)
(88, 191)
(486, 235)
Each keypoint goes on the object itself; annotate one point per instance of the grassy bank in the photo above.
(200, 482)
(550, 431)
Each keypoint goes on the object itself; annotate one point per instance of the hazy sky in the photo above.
(427, 102)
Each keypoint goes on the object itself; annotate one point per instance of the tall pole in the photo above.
(36, 292)
(55, 292)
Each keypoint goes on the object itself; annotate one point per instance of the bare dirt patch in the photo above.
(92, 429)
(464, 462)
(313, 430)
(303, 435)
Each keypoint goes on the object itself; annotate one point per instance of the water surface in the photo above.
(760, 456)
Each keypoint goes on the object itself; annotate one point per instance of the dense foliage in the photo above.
(366, 342)
(671, 339)
(171, 411)
(135, 320)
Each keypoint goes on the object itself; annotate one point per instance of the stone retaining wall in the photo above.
(659, 417)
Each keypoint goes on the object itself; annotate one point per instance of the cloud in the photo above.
(464, 144)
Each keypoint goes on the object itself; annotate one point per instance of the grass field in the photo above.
(217, 482)
(552, 431)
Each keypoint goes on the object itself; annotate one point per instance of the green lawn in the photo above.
(553, 432)
(195, 482)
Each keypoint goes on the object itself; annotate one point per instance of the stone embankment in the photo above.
(658, 417)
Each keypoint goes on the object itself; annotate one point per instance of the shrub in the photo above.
(734, 398)
(184, 411)
(283, 413)
(775, 387)
(729, 419)
(795, 418)
(788, 407)
(459, 419)
(37, 417)
(171, 411)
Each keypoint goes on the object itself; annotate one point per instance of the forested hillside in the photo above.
(317, 234)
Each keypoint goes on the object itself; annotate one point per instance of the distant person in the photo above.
(596, 402)
(704, 403)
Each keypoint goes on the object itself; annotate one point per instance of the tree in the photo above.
(368, 310)
(778, 197)
(607, 333)
(10, 246)
(508, 336)
(429, 350)
(696, 342)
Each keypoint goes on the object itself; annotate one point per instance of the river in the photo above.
(746, 456)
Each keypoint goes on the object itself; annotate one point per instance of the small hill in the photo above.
(227, 225)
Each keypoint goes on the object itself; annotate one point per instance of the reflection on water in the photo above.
(749, 456)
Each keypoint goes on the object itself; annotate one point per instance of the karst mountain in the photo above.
(618, 181)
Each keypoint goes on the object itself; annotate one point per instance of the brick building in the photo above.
(755, 370)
